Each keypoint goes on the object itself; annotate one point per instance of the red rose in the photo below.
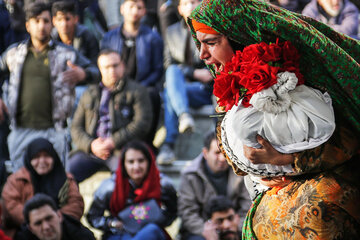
(234, 64)
(262, 51)
(272, 52)
(246, 100)
(227, 89)
(253, 70)
(252, 53)
(259, 77)
(237, 58)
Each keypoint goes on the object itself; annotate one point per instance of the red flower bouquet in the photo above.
(255, 69)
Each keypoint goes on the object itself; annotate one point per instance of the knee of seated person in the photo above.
(172, 73)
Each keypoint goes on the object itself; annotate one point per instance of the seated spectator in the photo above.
(207, 176)
(7, 33)
(341, 15)
(40, 93)
(44, 221)
(141, 49)
(108, 116)
(16, 13)
(187, 82)
(137, 180)
(223, 220)
(42, 173)
(68, 31)
(168, 14)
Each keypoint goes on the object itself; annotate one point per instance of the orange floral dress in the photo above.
(319, 208)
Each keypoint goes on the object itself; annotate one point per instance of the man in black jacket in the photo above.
(69, 31)
(45, 222)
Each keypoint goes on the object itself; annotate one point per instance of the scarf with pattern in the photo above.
(329, 60)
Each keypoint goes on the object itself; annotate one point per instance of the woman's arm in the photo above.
(15, 193)
(342, 145)
(75, 203)
(96, 214)
(267, 154)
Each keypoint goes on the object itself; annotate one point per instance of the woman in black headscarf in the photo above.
(43, 172)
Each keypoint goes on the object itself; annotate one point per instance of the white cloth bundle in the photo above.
(292, 118)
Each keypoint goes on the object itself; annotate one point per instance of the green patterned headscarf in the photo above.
(329, 60)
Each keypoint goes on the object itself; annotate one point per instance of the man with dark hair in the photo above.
(109, 115)
(45, 222)
(69, 31)
(208, 175)
(223, 220)
(141, 49)
(40, 92)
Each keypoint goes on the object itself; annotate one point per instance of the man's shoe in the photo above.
(166, 155)
(186, 123)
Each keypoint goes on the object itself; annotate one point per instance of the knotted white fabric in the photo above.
(292, 118)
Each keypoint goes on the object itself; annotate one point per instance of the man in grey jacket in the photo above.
(107, 117)
(208, 175)
(341, 15)
(42, 77)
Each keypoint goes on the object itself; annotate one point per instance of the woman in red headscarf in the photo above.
(127, 193)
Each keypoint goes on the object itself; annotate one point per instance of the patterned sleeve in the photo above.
(340, 148)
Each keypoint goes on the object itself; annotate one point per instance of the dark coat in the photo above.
(149, 53)
(84, 41)
(130, 115)
(72, 230)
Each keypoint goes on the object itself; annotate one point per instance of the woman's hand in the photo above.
(280, 181)
(115, 224)
(266, 154)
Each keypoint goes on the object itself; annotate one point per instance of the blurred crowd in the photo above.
(86, 85)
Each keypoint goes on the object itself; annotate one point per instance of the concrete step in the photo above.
(173, 171)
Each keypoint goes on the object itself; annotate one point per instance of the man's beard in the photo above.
(43, 39)
(228, 235)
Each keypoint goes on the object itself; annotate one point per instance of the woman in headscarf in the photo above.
(321, 202)
(136, 181)
(43, 172)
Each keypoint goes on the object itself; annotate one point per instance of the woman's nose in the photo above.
(204, 53)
